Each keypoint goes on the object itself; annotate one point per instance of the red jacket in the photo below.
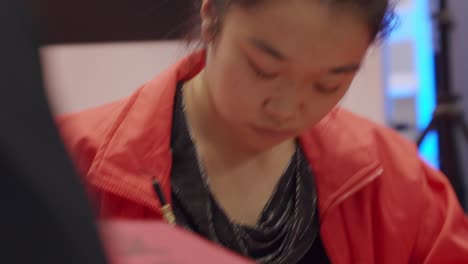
(378, 202)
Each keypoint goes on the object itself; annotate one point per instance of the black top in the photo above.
(288, 229)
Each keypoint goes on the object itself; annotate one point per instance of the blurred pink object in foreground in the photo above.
(128, 242)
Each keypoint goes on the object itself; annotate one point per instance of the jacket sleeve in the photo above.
(443, 229)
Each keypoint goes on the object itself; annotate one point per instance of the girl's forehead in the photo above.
(305, 33)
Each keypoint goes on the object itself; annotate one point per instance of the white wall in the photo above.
(82, 76)
(367, 93)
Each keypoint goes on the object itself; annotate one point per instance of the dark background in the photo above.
(79, 21)
(459, 63)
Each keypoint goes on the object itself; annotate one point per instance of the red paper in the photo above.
(158, 243)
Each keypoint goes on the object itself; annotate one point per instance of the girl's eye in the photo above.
(327, 89)
(261, 74)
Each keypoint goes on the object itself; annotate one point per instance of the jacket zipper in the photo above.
(368, 179)
(123, 193)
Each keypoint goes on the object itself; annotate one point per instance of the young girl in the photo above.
(248, 146)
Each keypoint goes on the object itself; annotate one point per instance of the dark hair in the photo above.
(378, 14)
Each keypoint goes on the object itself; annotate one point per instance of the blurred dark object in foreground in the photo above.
(45, 215)
(68, 21)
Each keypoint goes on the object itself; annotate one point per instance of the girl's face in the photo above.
(277, 69)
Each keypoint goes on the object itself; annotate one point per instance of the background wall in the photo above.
(82, 76)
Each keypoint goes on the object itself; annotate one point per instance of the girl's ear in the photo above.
(209, 23)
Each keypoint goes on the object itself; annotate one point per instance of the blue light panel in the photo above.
(416, 26)
(426, 98)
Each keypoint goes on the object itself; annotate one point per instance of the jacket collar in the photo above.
(137, 148)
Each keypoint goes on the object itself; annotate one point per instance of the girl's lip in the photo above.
(272, 133)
